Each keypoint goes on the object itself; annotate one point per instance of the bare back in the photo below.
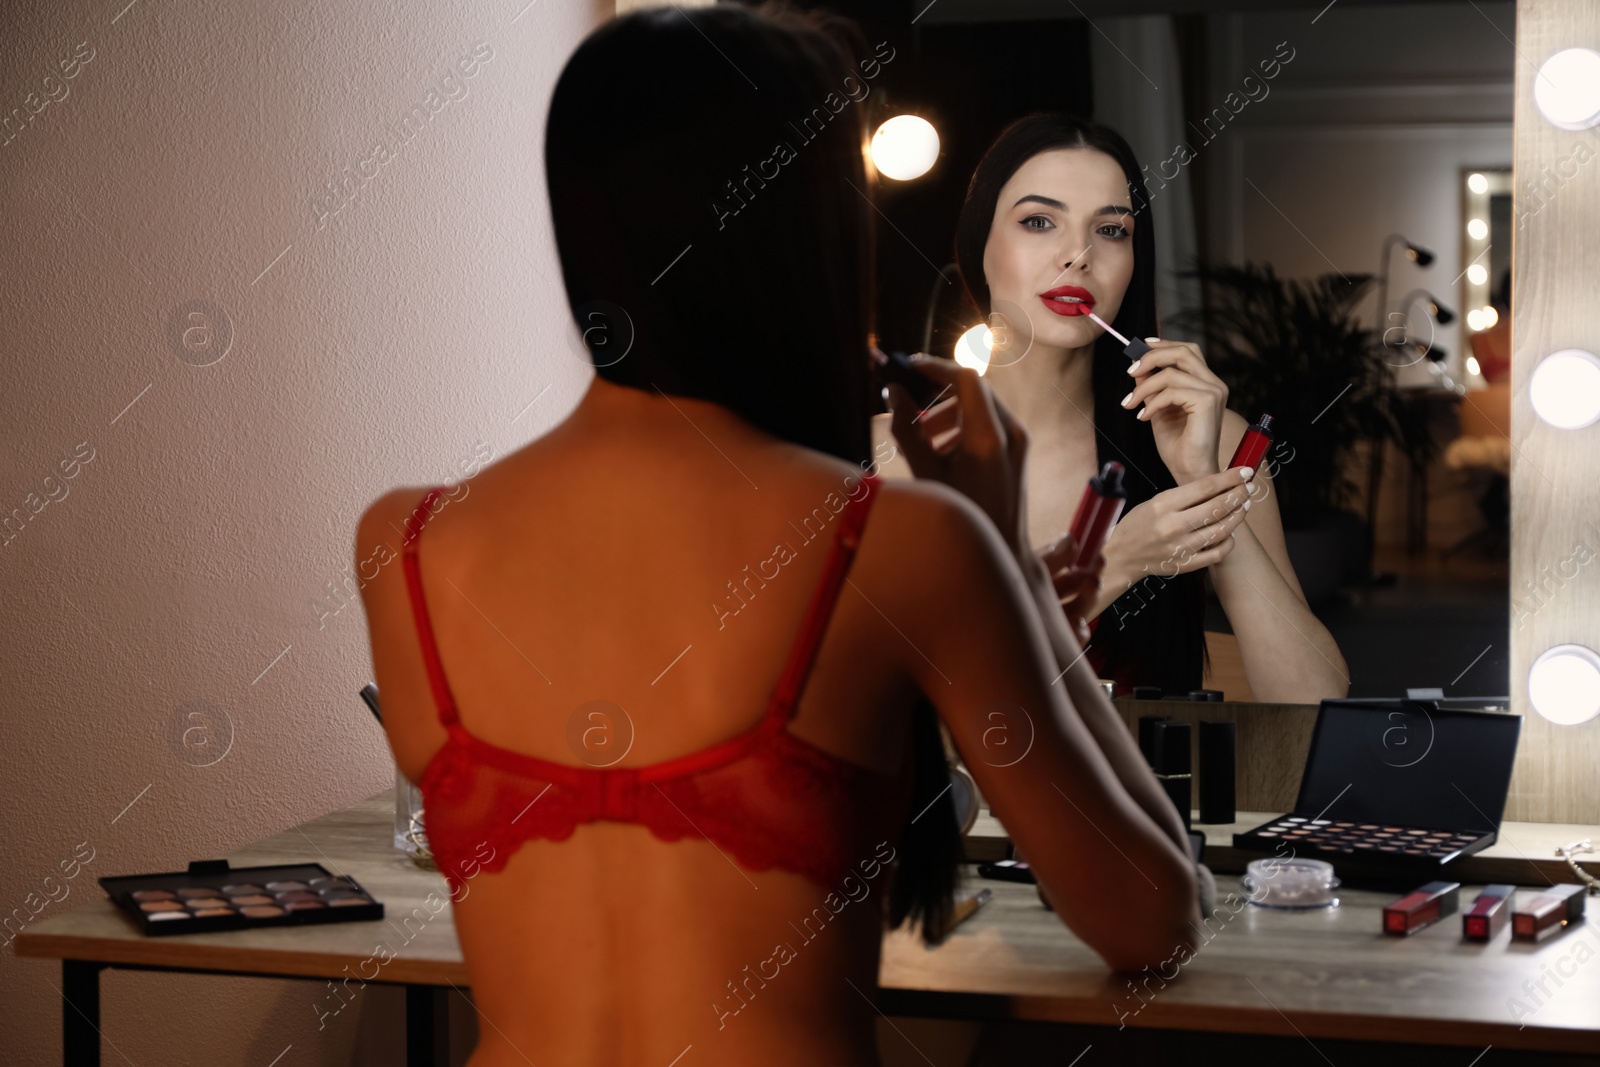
(586, 569)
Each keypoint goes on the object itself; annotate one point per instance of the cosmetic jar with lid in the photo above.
(1290, 883)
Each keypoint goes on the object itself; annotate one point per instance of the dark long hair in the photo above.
(686, 237)
(1153, 633)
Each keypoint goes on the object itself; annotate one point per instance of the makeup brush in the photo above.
(1132, 349)
(369, 694)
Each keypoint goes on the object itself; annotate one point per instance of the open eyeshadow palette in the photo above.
(211, 896)
(1396, 787)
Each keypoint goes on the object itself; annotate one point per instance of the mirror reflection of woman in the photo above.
(1052, 214)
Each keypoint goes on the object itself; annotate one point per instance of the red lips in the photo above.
(1068, 307)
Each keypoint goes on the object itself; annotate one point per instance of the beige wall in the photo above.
(185, 566)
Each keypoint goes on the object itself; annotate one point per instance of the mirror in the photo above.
(1365, 144)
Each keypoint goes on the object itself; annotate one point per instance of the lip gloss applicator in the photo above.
(1132, 349)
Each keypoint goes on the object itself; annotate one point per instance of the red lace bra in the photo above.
(765, 797)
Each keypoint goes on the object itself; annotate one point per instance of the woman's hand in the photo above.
(1183, 402)
(1077, 587)
(982, 457)
(1177, 531)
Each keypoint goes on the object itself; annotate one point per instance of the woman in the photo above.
(666, 742)
(1056, 222)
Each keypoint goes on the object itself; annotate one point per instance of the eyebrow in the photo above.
(1109, 209)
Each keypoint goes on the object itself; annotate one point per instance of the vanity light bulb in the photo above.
(974, 347)
(905, 147)
(1477, 274)
(1478, 183)
(1472, 366)
(1565, 388)
(1564, 684)
(1567, 88)
(1488, 316)
(1475, 319)
(1477, 229)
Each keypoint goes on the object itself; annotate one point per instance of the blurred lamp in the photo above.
(1567, 88)
(1565, 389)
(974, 347)
(1564, 684)
(905, 147)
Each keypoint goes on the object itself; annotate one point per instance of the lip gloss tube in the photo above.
(1098, 510)
(1132, 349)
(1488, 914)
(1421, 907)
(1548, 912)
(1253, 446)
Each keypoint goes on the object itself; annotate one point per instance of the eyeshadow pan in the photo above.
(345, 894)
(261, 911)
(196, 891)
(253, 898)
(210, 912)
(241, 890)
(151, 894)
(283, 887)
(345, 902)
(206, 902)
(161, 916)
(160, 905)
(304, 905)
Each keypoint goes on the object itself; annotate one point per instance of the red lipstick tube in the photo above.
(1489, 913)
(1548, 912)
(1253, 447)
(1098, 510)
(1421, 907)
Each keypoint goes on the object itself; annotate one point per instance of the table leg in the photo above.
(80, 1013)
(427, 1026)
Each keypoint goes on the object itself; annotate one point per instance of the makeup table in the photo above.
(1327, 974)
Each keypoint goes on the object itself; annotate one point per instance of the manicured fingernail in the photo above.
(1247, 473)
(1126, 399)
(1133, 368)
(1247, 505)
(1144, 413)
(1152, 340)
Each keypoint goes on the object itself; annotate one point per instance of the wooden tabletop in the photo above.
(1328, 973)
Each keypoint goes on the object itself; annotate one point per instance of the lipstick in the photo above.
(1132, 349)
(1489, 913)
(1098, 510)
(1253, 446)
(1421, 907)
(1548, 912)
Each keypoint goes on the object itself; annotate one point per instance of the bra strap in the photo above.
(419, 607)
(851, 520)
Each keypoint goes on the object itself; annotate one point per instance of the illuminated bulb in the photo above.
(1564, 684)
(1567, 88)
(1474, 319)
(1477, 229)
(974, 347)
(1472, 366)
(1477, 274)
(905, 147)
(1565, 388)
(1478, 183)
(1488, 316)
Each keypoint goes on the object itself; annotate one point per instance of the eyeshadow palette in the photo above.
(1397, 789)
(213, 896)
(1411, 847)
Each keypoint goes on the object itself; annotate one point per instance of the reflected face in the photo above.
(1062, 228)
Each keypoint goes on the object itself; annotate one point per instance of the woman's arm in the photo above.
(1046, 748)
(1102, 719)
(1289, 656)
